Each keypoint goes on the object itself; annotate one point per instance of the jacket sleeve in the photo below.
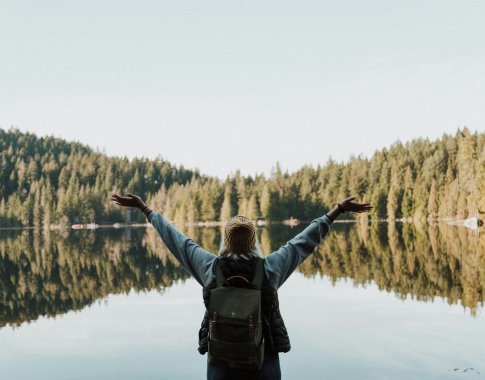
(190, 255)
(280, 264)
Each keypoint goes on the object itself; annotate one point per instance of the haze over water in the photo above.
(383, 301)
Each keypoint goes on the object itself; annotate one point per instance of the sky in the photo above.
(241, 85)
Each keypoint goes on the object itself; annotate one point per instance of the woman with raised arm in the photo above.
(239, 265)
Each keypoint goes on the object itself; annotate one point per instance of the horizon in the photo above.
(275, 164)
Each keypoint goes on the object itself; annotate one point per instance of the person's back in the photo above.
(234, 315)
(241, 273)
(237, 262)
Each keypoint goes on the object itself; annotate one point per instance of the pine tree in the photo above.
(252, 208)
(3, 213)
(46, 180)
(480, 183)
(226, 209)
(433, 206)
(466, 174)
(266, 202)
(407, 199)
(394, 195)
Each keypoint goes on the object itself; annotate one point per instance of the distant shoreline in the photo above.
(288, 222)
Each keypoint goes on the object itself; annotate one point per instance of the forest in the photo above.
(49, 182)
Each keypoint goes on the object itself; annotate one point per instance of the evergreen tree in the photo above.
(266, 202)
(48, 181)
(433, 205)
(226, 210)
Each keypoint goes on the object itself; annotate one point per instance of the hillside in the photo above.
(47, 180)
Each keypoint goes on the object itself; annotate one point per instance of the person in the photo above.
(237, 258)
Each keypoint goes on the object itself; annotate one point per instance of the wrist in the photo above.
(146, 211)
(333, 214)
(340, 208)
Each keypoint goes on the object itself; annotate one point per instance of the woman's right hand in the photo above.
(130, 200)
(349, 206)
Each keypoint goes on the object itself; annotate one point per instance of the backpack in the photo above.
(235, 336)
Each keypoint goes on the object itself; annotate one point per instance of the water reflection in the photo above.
(50, 274)
(46, 274)
(422, 263)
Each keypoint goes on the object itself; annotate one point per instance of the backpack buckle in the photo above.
(213, 322)
(251, 326)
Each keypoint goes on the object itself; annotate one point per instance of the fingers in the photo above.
(117, 199)
(356, 207)
(360, 207)
(361, 204)
(348, 199)
(120, 198)
(120, 201)
(133, 196)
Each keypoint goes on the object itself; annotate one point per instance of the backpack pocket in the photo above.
(236, 355)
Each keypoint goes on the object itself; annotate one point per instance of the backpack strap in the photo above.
(220, 279)
(258, 277)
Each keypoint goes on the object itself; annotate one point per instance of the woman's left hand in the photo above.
(131, 200)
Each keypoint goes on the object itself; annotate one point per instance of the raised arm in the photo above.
(194, 258)
(281, 263)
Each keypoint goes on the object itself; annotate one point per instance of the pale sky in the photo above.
(226, 85)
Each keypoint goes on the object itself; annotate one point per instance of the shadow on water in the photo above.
(46, 274)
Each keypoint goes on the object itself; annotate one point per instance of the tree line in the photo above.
(48, 181)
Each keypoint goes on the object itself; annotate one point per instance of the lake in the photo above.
(383, 301)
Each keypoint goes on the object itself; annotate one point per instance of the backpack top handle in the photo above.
(256, 283)
(240, 277)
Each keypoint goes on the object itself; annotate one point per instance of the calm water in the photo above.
(376, 302)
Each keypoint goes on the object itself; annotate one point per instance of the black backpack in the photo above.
(235, 329)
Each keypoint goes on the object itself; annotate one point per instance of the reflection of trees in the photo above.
(43, 274)
(46, 274)
(422, 262)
